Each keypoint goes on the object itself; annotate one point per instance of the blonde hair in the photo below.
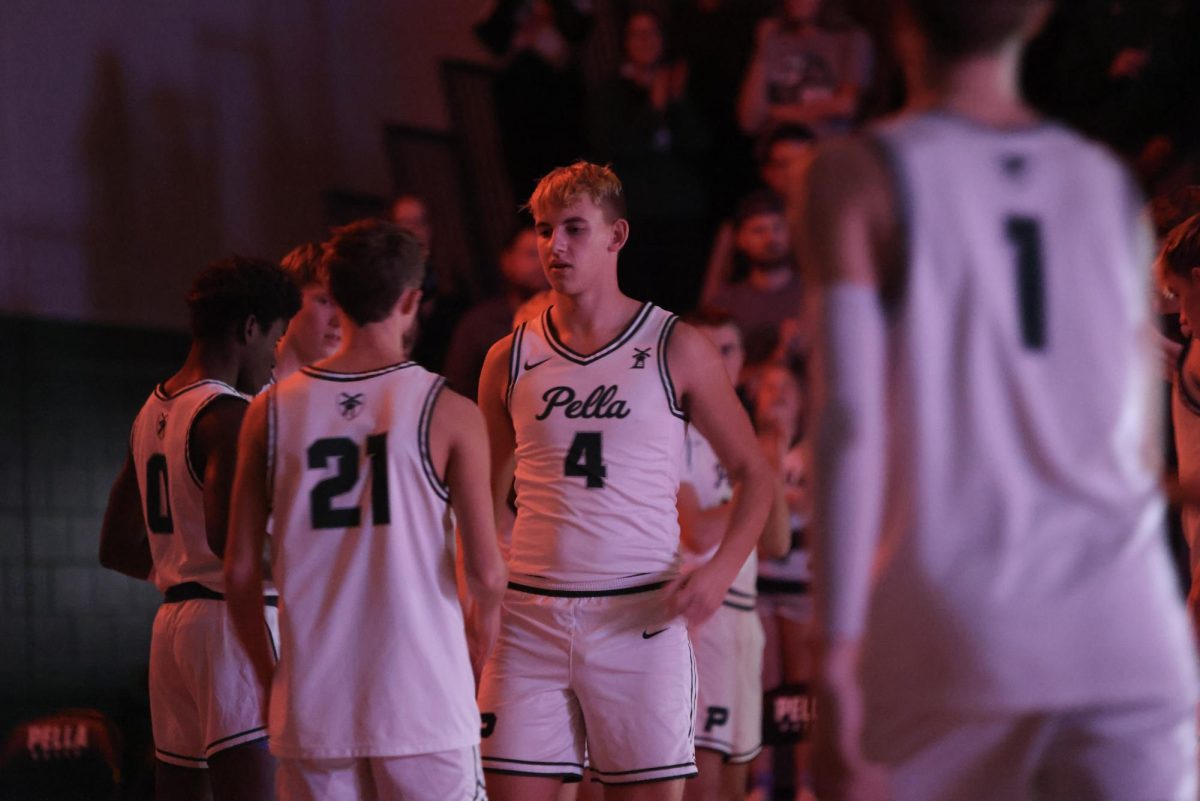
(563, 186)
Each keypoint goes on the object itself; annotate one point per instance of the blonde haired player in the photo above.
(986, 402)
(361, 458)
(592, 397)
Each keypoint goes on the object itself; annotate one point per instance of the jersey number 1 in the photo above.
(346, 454)
(1025, 235)
(584, 458)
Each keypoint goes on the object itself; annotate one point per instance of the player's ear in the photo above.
(250, 326)
(620, 235)
(410, 300)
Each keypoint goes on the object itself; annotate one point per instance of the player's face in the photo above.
(577, 245)
(728, 342)
(316, 330)
(521, 265)
(763, 239)
(261, 345)
(785, 164)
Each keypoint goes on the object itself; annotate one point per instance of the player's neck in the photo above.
(981, 88)
(591, 318)
(206, 362)
(369, 347)
(287, 361)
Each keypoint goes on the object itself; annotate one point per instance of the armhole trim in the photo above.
(187, 438)
(440, 488)
(664, 370)
(514, 363)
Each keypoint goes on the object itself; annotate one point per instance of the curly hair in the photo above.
(1181, 250)
(228, 292)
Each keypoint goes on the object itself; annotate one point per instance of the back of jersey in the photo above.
(172, 492)
(1022, 562)
(373, 658)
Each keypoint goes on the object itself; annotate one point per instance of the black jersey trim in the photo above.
(776, 586)
(514, 362)
(741, 593)
(664, 370)
(160, 392)
(640, 770)
(567, 778)
(187, 437)
(739, 607)
(333, 375)
(695, 693)
(1190, 402)
(532, 762)
(658, 585)
(203, 762)
(440, 488)
(626, 334)
(216, 743)
(895, 292)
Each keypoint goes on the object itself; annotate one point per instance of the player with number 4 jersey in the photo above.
(586, 406)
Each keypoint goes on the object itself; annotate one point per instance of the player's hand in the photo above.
(483, 628)
(697, 595)
(840, 770)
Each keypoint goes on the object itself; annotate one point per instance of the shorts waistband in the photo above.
(774, 586)
(657, 585)
(192, 591)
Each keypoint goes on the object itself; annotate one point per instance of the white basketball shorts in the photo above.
(440, 776)
(729, 655)
(611, 672)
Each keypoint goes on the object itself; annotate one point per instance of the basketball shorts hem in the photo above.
(726, 750)
(684, 770)
(568, 772)
(257, 734)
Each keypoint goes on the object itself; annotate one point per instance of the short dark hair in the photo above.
(227, 292)
(1181, 250)
(303, 265)
(956, 29)
(760, 201)
(369, 264)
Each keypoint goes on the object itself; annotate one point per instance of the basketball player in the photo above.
(315, 332)
(1179, 275)
(729, 645)
(592, 396)
(205, 705)
(986, 437)
(362, 457)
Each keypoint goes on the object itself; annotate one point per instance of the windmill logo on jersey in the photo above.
(161, 427)
(639, 358)
(350, 405)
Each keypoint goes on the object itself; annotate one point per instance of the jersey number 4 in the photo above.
(1025, 235)
(584, 458)
(346, 455)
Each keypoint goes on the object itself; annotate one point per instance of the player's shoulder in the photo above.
(501, 349)
(848, 166)
(455, 413)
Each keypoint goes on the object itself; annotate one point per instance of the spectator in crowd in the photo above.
(644, 124)
(766, 303)
(782, 155)
(489, 320)
(539, 91)
(804, 73)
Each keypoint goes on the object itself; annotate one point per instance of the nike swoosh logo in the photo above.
(529, 366)
(648, 634)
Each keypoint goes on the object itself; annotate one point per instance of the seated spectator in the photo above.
(804, 73)
(766, 304)
(492, 319)
(782, 155)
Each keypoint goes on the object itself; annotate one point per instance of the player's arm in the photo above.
(457, 423)
(247, 512)
(124, 544)
(849, 224)
(214, 443)
(701, 529)
(714, 409)
(502, 441)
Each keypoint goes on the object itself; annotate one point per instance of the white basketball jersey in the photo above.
(172, 493)
(1023, 562)
(373, 657)
(1185, 414)
(599, 445)
(703, 471)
